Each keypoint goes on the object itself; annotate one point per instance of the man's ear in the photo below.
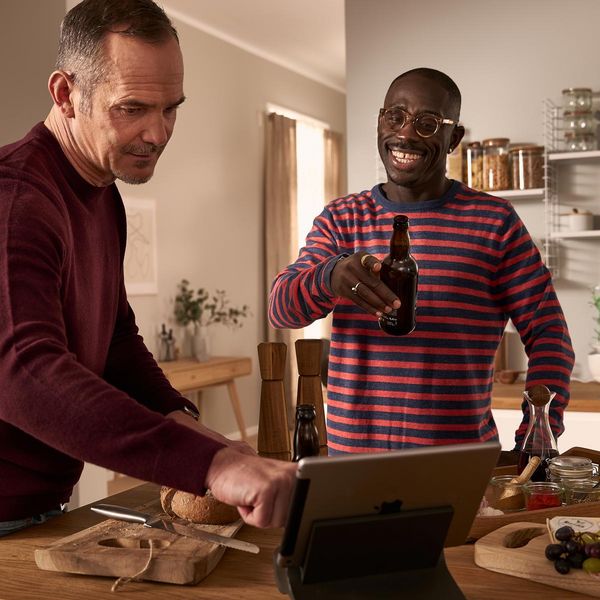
(60, 86)
(457, 135)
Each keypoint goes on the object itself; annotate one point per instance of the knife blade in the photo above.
(133, 516)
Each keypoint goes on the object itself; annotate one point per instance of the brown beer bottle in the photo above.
(399, 271)
(306, 436)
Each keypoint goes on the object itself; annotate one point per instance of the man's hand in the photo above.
(356, 277)
(261, 488)
(190, 422)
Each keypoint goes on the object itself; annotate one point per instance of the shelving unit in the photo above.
(516, 194)
(553, 156)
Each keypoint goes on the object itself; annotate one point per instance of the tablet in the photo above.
(385, 483)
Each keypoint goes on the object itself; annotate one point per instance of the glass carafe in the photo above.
(539, 439)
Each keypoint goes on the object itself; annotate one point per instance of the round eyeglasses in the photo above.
(425, 124)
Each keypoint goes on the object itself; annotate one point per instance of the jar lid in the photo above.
(577, 90)
(496, 142)
(474, 145)
(527, 149)
(570, 466)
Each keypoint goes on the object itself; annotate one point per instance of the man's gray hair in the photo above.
(82, 31)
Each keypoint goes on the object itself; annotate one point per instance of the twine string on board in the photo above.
(122, 581)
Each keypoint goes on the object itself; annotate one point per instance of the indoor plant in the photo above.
(199, 309)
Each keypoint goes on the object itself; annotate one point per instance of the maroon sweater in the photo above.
(76, 380)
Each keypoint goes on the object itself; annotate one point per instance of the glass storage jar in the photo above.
(578, 121)
(583, 491)
(527, 167)
(577, 99)
(496, 174)
(569, 469)
(473, 166)
(580, 142)
(542, 494)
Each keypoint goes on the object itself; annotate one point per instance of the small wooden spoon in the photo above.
(512, 497)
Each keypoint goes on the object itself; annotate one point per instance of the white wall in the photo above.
(506, 57)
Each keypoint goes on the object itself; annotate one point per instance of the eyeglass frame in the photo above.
(412, 119)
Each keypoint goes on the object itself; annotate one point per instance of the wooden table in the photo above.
(190, 375)
(238, 576)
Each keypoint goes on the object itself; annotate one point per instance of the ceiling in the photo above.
(307, 37)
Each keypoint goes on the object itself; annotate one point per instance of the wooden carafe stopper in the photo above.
(273, 435)
(308, 358)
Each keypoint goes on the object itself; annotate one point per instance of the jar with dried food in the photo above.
(473, 165)
(496, 173)
(527, 167)
(577, 99)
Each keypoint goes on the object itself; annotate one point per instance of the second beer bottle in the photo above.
(399, 271)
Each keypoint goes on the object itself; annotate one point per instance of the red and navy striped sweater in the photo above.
(477, 267)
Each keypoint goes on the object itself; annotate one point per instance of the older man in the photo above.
(78, 384)
(477, 267)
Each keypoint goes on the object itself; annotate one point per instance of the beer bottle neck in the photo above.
(400, 243)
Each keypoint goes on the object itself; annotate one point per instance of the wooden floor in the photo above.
(120, 483)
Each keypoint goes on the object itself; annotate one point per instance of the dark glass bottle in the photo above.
(306, 437)
(539, 439)
(399, 271)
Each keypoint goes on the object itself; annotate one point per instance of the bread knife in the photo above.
(134, 516)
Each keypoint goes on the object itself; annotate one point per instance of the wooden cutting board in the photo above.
(495, 552)
(120, 549)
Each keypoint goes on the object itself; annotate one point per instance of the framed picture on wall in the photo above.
(140, 254)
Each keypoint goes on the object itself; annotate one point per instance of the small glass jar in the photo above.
(473, 166)
(503, 495)
(571, 469)
(496, 173)
(542, 494)
(527, 167)
(580, 142)
(577, 99)
(580, 121)
(583, 491)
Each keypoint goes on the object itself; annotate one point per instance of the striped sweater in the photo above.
(477, 267)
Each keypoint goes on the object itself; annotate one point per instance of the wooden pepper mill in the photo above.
(308, 357)
(273, 434)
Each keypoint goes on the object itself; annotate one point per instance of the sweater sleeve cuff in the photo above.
(327, 270)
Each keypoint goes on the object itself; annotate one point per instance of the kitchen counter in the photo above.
(585, 397)
(238, 576)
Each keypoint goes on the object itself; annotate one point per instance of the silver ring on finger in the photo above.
(354, 288)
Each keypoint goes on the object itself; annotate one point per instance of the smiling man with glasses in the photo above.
(478, 267)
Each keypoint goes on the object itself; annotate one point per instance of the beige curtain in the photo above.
(334, 185)
(334, 173)
(280, 226)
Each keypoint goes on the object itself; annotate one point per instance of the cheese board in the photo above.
(120, 549)
(518, 550)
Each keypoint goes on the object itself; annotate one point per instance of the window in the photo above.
(310, 159)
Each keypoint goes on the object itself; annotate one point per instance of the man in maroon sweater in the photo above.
(78, 383)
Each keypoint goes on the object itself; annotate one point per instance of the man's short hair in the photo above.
(441, 78)
(80, 47)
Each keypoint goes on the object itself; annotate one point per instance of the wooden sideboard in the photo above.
(585, 397)
(191, 376)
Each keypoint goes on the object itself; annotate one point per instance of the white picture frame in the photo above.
(140, 263)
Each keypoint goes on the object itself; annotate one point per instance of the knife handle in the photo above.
(120, 512)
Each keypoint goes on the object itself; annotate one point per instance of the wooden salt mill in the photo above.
(308, 358)
(273, 434)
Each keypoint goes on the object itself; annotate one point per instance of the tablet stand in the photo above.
(397, 555)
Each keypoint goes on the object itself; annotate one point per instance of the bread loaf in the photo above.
(197, 509)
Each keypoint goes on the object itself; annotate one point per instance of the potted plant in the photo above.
(199, 309)
(594, 357)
